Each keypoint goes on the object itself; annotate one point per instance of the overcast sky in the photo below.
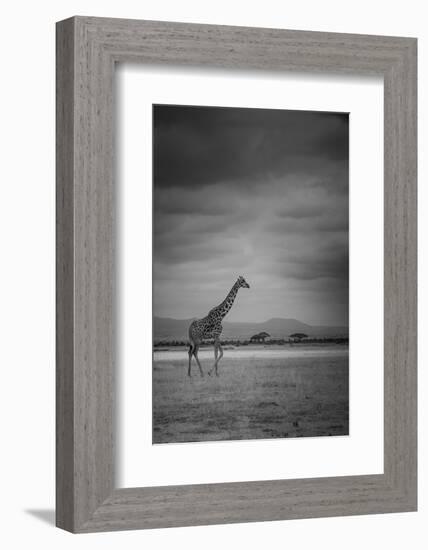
(252, 192)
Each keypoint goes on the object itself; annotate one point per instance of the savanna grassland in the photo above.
(260, 393)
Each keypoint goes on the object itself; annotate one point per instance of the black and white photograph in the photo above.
(211, 310)
(250, 274)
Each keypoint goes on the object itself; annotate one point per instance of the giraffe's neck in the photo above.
(224, 308)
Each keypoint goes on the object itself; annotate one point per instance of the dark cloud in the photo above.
(263, 193)
(196, 146)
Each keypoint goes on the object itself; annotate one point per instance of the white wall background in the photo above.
(27, 272)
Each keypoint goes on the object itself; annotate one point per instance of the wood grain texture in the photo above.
(64, 276)
(87, 50)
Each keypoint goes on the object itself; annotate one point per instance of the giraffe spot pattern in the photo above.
(211, 326)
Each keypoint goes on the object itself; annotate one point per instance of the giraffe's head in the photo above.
(242, 282)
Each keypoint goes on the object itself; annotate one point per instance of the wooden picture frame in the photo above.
(87, 50)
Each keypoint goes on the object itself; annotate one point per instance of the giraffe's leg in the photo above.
(218, 360)
(195, 353)
(215, 358)
(191, 348)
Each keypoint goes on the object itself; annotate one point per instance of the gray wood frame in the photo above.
(87, 50)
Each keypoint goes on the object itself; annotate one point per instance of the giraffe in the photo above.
(211, 327)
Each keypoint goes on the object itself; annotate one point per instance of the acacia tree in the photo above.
(260, 337)
(298, 336)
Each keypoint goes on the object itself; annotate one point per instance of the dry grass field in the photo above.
(260, 394)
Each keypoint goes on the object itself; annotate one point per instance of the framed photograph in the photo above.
(236, 274)
(266, 193)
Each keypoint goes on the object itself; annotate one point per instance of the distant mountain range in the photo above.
(165, 328)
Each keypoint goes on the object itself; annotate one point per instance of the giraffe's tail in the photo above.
(190, 341)
(191, 348)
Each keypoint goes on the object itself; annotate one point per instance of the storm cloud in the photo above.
(262, 193)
